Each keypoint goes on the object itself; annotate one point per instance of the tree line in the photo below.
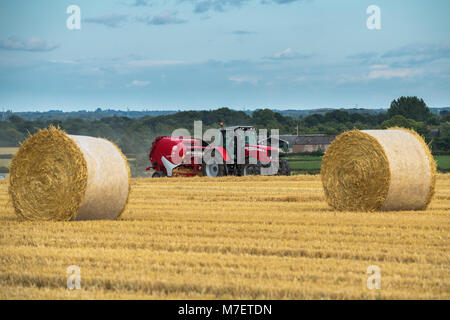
(135, 135)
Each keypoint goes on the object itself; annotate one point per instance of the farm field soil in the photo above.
(230, 238)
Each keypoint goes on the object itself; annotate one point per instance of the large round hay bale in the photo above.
(56, 176)
(373, 170)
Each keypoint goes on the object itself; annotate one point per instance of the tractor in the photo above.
(236, 152)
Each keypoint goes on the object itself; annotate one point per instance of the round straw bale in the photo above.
(372, 170)
(56, 176)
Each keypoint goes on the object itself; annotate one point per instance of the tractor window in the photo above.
(230, 144)
(188, 143)
(250, 137)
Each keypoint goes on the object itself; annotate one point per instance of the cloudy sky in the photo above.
(202, 54)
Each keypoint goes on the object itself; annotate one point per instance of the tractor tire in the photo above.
(213, 170)
(158, 174)
(284, 169)
(251, 170)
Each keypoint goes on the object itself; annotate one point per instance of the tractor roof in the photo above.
(233, 128)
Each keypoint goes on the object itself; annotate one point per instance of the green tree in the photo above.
(442, 143)
(445, 118)
(400, 121)
(15, 119)
(411, 108)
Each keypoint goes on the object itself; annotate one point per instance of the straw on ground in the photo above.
(248, 237)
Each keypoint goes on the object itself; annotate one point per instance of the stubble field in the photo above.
(230, 238)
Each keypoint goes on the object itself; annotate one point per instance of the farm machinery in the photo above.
(235, 151)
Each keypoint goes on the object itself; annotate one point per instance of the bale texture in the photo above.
(372, 170)
(55, 176)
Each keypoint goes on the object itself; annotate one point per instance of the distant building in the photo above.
(434, 133)
(308, 142)
(283, 145)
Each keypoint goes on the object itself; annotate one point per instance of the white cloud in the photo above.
(154, 63)
(285, 54)
(138, 83)
(384, 72)
(379, 66)
(289, 54)
(420, 53)
(63, 61)
(300, 79)
(31, 44)
(244, 79)
(112, 20)
(161, 19)
(141, 3)
(379, 71)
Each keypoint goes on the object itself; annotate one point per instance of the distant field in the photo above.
(311, 165)
(5, 162)
(8, 150)
(304, 164)
(443, 162)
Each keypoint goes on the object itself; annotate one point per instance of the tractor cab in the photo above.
(236, 139)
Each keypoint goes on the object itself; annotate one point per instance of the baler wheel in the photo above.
(284, 169)
(213, 170)
(251, 170)
(158, 174)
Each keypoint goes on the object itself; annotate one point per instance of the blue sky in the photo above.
(204, 54)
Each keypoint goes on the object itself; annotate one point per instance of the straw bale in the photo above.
(374, 170)
(55, 176)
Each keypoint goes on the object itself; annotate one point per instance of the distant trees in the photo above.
(338, 121)
(400, 121)
(134, 135)
(445, 116)
(410, 108)
(268, 119)
(10, 136)
(442, 142)
(413, 113)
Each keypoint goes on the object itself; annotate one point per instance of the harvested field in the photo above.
(243, 238)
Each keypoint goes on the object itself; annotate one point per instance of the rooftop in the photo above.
(307, 139)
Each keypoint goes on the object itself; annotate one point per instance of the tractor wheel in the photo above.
(284, 169)
(251, 170)
(213, 170)
(158, 174)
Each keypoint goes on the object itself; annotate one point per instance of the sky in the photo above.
(206, 54)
